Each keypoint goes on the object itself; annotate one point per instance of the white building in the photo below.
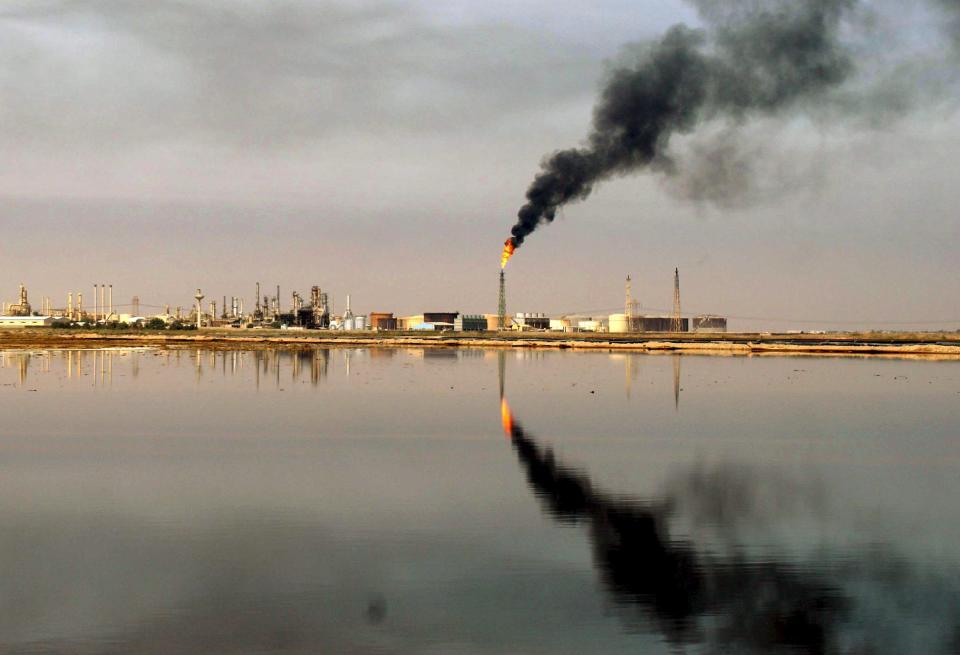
(25, 321)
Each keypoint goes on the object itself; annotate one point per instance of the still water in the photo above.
(370, 501)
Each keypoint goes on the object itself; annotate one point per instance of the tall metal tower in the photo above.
(628, 307)
(676, 324)
(502, 310)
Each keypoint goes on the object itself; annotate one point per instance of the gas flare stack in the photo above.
(502, 309)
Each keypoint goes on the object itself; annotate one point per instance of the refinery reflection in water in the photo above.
(730, 602)
(364, 500)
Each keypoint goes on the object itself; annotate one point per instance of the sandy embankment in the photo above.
(940, 346)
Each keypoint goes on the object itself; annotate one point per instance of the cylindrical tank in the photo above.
(359, 322)
(618, 323)
(348, 323)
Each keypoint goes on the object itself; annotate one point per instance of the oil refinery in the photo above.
(315, 311)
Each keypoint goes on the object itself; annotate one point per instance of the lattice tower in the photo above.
(676, 324)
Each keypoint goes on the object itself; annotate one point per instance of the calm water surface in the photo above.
(369, 501)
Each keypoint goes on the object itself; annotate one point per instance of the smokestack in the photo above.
(676, 324)
(502, 307)
(96, 306)
(110, 315)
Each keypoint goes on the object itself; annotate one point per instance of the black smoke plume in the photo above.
(754, 59)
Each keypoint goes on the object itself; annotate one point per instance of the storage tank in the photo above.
(359, 322)
(589, 325)
(618, 323)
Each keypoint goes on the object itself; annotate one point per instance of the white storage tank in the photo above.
(618, 323)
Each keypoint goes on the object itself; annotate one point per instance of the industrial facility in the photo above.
(316, 312)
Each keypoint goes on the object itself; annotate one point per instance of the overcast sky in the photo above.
(382, 149)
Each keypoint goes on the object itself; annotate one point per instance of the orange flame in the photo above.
(508, 248)
(506, 417)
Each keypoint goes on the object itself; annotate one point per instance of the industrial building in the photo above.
(709, 323)
(21, 307)
(620, 323)
(632, 320)
(316, 313)
(382, 321)
(443, 318)
(408, 322)
(591, 325)
(470, 323)
(531, 321)
(429, 321)
(25, 321)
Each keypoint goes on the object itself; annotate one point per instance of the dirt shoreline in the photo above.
(923, 345)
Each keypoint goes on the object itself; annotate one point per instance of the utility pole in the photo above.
(676, 325)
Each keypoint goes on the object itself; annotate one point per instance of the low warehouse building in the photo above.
(25, 321)
(409, 322)
(470, 323)
(531, 321)
(662, 324)
(709, 324)
(382, 321)
(440, 317)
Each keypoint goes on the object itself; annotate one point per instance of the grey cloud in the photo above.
(259, 74)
